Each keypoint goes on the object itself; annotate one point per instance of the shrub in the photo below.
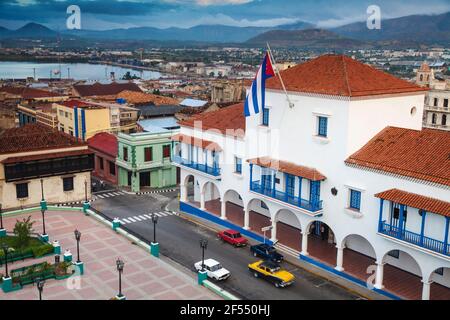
(42, 250)
(22, 230)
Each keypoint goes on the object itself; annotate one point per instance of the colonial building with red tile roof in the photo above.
(34, 157)
(104, 145)
(338, 171)
(98, 90)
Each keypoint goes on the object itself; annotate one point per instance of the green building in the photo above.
(144, 161)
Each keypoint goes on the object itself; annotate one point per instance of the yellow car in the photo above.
(272, 272)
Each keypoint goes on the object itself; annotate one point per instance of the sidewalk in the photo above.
(144, 277)
(359, 290)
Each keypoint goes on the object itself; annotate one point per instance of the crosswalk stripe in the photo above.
(148, 216)
(111, 194)
(121, 193)
(101, 197)
(169, 213)
(106, 195)
(157, 214)
(122, 222)
(126, 220)
(116, 194)
(163, 214)
(131, 219)
(143, 217)
(138, 219)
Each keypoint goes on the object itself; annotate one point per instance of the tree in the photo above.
(22, 230)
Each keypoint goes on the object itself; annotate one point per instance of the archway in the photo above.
(402, 275)
(288, 229)
(233, 205)
(359, 255)
(190, 185)
(440, 284)
(322, 243)
(210, 198)
(259, 216)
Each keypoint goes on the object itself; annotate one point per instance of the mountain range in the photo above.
(416, 30)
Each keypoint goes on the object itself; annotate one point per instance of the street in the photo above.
(179, 240)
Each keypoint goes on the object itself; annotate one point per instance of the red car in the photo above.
(233, 237)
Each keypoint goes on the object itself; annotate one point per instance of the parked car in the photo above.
(267, 252)
(214, 269)
(272, 272)
(233, 237)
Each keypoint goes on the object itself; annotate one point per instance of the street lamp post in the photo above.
(78, 237)
(42, 189)
(40, 285)
(203, 245)
(2, 230)
(154, 246)
(43, 222)
(120, 264)
(85, 191)
(5, 251)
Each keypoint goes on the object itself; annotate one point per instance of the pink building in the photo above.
(104, 145)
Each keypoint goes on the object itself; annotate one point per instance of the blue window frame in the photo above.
(238, 162)
(265, 115)
(355, 199)
(290, 186)
(323, 127)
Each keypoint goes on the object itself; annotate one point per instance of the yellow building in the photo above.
(36, 158)
(82, 119)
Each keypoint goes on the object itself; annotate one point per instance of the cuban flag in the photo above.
(255, 100)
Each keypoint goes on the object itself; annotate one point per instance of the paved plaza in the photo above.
(144, 276)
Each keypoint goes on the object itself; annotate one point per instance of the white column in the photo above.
(202, 200)
(183, 192)
(426, 289)
(340, 259)
(274, 231)
(246, 219)
(379, 276)
(305, 243)
(223, 210)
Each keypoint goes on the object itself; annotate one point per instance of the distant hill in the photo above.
(425, 29)
(33, 30)
(310, 38)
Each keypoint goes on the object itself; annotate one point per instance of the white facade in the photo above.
(292, 136)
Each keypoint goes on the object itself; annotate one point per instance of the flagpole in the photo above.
(291, 105)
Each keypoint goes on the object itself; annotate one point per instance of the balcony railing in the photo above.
(414, 238)
(283, 196)
(214, 171)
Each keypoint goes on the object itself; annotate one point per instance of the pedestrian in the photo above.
(322, 231)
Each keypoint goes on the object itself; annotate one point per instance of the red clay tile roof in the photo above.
(105, 143)
(29, 93)
(36, 157)
(229, 120)
(80, 104)
(342, 76)
(98, 89)
(416, 201)
(197, 142)
(288, 167)
(423, 155)
(142, 98)
(35, 137)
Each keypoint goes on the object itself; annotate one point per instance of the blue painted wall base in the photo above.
(80, 267)
(202, 276)
(154, 249)
(187, 208)
(2, 233)
(67, 257)
(346, 276)
(7, 285)
(44, 205)
(86, 206)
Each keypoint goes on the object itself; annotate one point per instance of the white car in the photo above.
(214, 269)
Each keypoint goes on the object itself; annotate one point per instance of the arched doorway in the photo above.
(322, 243)
(440, 284)
(402, 275)
(288, 229)
(359, 256)
(210, 197)
(259, 217)
(233, 205)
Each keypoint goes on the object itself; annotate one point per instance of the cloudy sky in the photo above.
(109, 14)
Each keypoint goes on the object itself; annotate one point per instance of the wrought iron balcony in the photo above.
(256, 186)
(414, 238)
(214, 171)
